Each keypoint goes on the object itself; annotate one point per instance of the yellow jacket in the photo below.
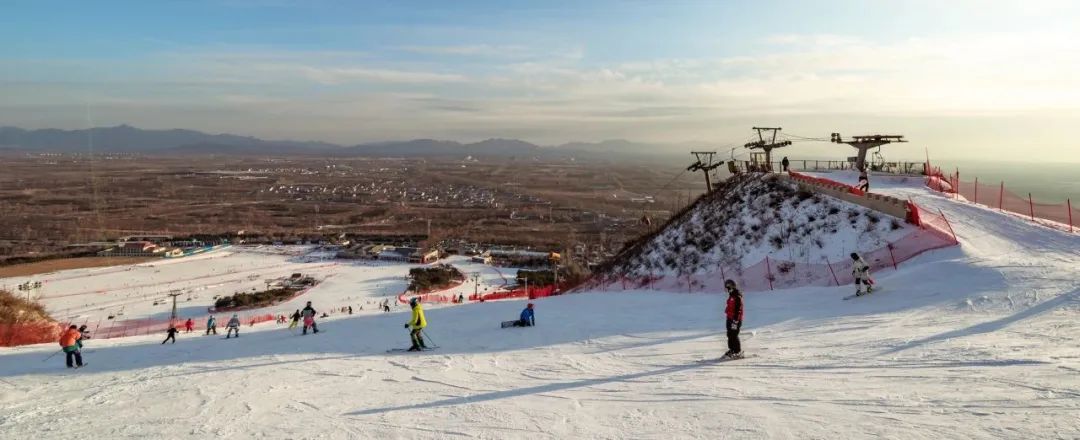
(417, 320)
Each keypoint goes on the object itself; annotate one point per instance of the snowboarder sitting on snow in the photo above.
(861, 271)
(69, 341)
(232, 326)
(172, 334)
(527, 319)
(309, 318)
(734, 314)
(83, 334)
(416, 325)
(211, 325)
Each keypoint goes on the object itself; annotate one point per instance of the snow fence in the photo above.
(997, 195)
(36, 333)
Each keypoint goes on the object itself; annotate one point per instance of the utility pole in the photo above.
(704, 163)
(767, 146)
(476, 285)
(29, 287)
(555, 269)
(865, 143)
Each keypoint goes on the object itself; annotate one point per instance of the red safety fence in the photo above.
(933, 232)
(35, 333)
(449, 297)
(821, 181)
(997, 195)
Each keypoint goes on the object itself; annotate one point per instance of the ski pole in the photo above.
(426, 335)
(51, 356)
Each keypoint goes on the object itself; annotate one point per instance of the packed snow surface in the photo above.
(979, 341)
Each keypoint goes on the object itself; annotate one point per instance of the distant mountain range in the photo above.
(128, 139)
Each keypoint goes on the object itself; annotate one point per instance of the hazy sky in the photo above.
(966, 79)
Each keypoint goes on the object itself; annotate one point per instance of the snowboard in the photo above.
(722, 359)
(853, 296)
(506, 324)
(406, 350)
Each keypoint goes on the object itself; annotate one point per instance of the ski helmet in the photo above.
(854, 256)
(530, 305)
(415, 300)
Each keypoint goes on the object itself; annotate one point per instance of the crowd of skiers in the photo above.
(71, 340)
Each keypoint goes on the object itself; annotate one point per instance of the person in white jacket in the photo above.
(233, 326)
(861, 271)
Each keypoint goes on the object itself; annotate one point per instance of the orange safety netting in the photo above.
(36, 333)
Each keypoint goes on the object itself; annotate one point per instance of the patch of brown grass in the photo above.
(15, 309)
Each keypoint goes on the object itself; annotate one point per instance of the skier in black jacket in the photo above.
(172, 335)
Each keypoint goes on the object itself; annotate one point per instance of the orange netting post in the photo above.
(768, 272)
(1001, 195)
(956, 184)
(1068, 205)
(1031, 207)
(976, 190)
(827, 263)
(891, 255)
(951, 231)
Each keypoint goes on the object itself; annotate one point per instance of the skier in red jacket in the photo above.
(734, 312)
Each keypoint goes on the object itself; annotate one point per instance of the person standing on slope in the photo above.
(416, 325)
(309, 318)
(295, 319)
(172, 334)
(83, 334)
(861, 271)
(211, 325)
(734, 314)
(232, 326)
(189, 326)
(69, 342)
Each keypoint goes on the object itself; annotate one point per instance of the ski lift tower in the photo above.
(865, 143)
(767, 147)
(704, 163)
(174, 293)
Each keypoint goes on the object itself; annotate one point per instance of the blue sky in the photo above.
(984, 73)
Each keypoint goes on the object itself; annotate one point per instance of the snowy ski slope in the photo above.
(129, 292)
(980, 341)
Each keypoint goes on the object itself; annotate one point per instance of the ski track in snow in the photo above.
(976, 342)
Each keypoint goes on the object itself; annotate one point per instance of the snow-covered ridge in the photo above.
(751, 217)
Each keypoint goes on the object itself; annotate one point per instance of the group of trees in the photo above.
(435, 277)
(245, 299)
(570, 274)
